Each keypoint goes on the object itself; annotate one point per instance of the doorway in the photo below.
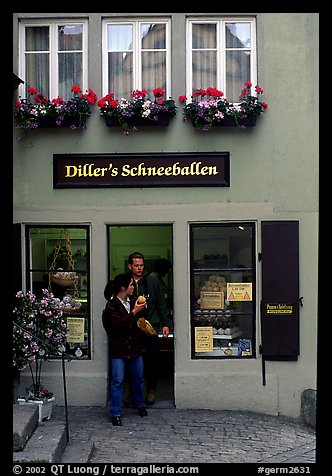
(154, 242)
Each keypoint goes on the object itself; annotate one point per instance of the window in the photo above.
(221, 54)
(53, 57)
(222, 290)
(53, 253)
(136, 56)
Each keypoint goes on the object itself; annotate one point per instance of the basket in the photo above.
(63, 281)
(73, 310)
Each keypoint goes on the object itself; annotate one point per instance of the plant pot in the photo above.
(50, 121)
(162, 120)
(45, 407)
(230, 121)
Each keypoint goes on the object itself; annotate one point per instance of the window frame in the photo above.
(192, 270)
(53, 53)
(137, 52)
(221, 50)
(29, 270)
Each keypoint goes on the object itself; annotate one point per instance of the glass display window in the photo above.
(223, 291)
(57, 259)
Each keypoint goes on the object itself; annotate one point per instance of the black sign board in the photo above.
(204, 169)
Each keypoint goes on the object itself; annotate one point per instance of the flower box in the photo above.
(45, 407)
(137, 111)
(50, 121)
(230, 121)
(209, 108)
(162, 120)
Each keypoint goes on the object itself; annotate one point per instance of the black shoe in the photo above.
(142, 411)
(116, 421)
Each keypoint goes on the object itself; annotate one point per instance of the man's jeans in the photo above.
(137, 383)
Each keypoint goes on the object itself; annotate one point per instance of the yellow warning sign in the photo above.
(239, 291)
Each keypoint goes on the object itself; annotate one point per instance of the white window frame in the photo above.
(137, 56)
(53, 52)
(221, 48)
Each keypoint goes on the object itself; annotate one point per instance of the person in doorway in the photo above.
(160, 268)
(125, 343)
(158, 316)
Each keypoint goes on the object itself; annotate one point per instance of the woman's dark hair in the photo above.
(114, 286)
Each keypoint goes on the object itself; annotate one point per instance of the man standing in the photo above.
(157, 314)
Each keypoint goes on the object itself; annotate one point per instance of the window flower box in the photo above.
(38, 111)
(162, 119)
(216, 110)
(138, 111)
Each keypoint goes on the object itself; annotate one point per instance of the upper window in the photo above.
(136, 56)
(53, 57)
(221, 54)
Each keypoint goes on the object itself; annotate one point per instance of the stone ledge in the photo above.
(308, 406)
(25, 420)
(45, 446)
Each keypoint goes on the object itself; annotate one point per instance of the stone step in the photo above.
(78, 452)
(46, 445)
(25, 420)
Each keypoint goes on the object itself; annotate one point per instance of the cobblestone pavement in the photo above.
(168, 435)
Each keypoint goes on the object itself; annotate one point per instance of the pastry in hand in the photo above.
(141, 300)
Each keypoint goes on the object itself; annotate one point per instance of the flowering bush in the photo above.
(37, 321)
(31, 111)
(204, 113)
(125, 111)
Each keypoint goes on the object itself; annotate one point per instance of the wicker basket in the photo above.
(73, 310)
(66, 282)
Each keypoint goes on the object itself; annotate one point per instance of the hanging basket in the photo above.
(59, 276)
(64, 278)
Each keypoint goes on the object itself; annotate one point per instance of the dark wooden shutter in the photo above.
(280, 290)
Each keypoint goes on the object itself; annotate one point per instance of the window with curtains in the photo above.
(221, 54)
(53, 57)
(136, 56)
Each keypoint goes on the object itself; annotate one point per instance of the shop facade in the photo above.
(235, 210)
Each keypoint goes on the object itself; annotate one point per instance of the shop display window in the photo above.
(57, 259)
(222, 281)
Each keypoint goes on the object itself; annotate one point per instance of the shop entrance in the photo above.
(154, 242)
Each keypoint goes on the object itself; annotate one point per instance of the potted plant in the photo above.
(140, 110)
(39, 332)
(39, 111)
(209, 107)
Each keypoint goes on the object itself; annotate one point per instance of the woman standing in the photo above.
(125, 341)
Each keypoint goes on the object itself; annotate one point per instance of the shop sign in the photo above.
(278, 309)
(206, 169)
(75, 328)
(212, 300)
(203, 339)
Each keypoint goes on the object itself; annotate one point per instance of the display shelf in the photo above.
(227, 336)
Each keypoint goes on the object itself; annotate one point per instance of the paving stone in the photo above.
(168, 435)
